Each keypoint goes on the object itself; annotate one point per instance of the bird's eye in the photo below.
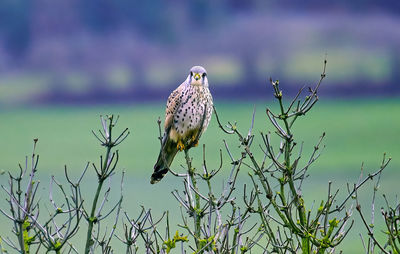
(204, 74)
(191, 73)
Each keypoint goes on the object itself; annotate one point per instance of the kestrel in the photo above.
(188, 113)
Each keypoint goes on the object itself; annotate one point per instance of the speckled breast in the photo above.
(189, 116)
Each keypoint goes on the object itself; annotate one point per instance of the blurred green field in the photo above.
(357, 131)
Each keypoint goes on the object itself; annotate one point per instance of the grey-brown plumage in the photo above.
(188, 113)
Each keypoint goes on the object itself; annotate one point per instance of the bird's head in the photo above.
(198, 76)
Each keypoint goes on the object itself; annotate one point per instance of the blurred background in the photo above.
(63, 63)
(96, 51)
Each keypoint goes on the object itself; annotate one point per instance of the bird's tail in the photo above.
(165, 158)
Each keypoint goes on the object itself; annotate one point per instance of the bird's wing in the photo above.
(174, 100)
(208, 108)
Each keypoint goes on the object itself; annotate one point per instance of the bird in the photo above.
(187, 115)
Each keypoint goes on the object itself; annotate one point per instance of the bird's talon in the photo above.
(180, 146)
(195, 141)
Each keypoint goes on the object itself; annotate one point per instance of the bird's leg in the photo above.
(195, 140)
(180, 146)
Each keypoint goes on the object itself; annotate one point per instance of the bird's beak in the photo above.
(196, 76)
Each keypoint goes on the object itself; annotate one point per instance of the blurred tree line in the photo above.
(14, 25)
(150, 17)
